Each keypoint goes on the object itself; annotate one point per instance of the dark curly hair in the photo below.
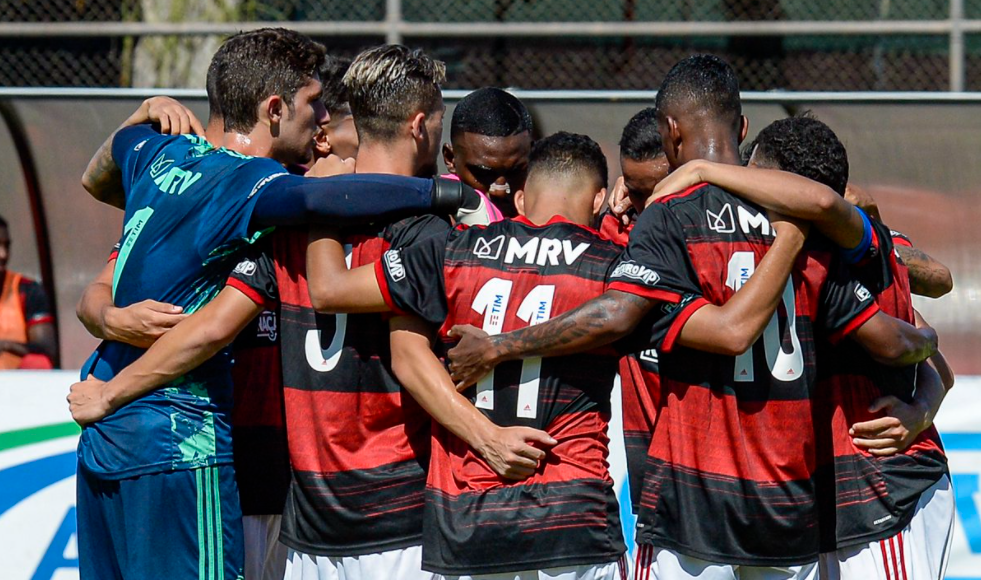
(491, 112)
(703, 83)
(641, 140)
(332, 76)
(805, 146)
(564, 152)
(253, 66)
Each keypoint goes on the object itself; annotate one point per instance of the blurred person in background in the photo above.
(490, 140)
(27, 334)
(338, 135)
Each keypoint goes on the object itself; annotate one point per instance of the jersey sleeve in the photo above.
(900, 239)
(411, 278)
(231, 207)
(656, 264)
(255, 276)
(37, 308)
(133, 149)
(845, 304)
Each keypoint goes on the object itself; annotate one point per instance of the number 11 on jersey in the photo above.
(492, 301)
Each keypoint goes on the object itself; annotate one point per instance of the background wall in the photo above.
(919, 159)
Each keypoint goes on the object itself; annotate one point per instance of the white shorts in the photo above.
(918, 552)
(610, 571)
(265, 556)
(660, 564)
(402, 564)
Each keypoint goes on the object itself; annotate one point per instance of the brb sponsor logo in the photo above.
(37, 503)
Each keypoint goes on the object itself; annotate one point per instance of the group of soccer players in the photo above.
(778, 388)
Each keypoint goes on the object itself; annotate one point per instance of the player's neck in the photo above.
(543, 212)
(712, 148)
(255, 144)
(390, 158)
(215, 131)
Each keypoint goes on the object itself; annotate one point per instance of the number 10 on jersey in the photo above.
(492, 301)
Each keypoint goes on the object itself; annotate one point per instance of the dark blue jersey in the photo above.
(189, 208)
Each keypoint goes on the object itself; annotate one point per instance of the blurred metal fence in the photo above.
(794, 45)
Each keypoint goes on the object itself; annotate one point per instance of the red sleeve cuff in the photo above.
(251, 293)
(679, 322)
(901, 241)
(652, 293)
(44, 318)
(113, 256)
(383, 286)
(854, 324)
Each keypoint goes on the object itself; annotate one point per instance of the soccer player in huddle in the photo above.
(490, 138)
(687, 252)
(338, 135)
(480, 267)
(892, 509)
(175, 442)
(643, 165)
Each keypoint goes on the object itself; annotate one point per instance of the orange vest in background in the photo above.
(12, 324)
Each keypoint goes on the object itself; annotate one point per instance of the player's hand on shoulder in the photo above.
(330, 166)
(141, 324)
(893, 432)
(862, 199)
(472, 357)
(788, 226)
(515, 452)
(86, 401)
(173, 117)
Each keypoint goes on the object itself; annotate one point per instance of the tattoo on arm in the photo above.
(596, 323)
(927, 277)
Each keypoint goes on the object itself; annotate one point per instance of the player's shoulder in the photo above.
(411, 229)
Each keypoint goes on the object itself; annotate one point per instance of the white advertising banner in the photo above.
(37, 475)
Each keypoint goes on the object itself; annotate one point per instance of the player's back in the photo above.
(734, 435)
(875, 497)
(188, 207)
(506, 276)
(359, 444)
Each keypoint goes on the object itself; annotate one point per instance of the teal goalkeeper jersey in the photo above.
(188, 207)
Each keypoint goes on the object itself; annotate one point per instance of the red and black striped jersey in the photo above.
(502, 277)
(358, 444)
(730, 468)
(639, 387)
(874, 497)
(262, 467)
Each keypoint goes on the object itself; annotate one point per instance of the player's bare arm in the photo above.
(179, 351)
(139, 324)
(334, 288)
(102, 178)
(776, 190)
(893, 342)
(512, 452)
(731, 329)
(927, 276)
(599, 322)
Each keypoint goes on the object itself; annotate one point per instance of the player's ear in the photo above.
(519, 201)
(448, 158)
(418, 126)
(273, 108)
(743, 127)
(599, 200)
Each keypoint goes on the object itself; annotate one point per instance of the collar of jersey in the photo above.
(555, 219)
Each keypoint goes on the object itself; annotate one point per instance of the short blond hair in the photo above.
(390, 83)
